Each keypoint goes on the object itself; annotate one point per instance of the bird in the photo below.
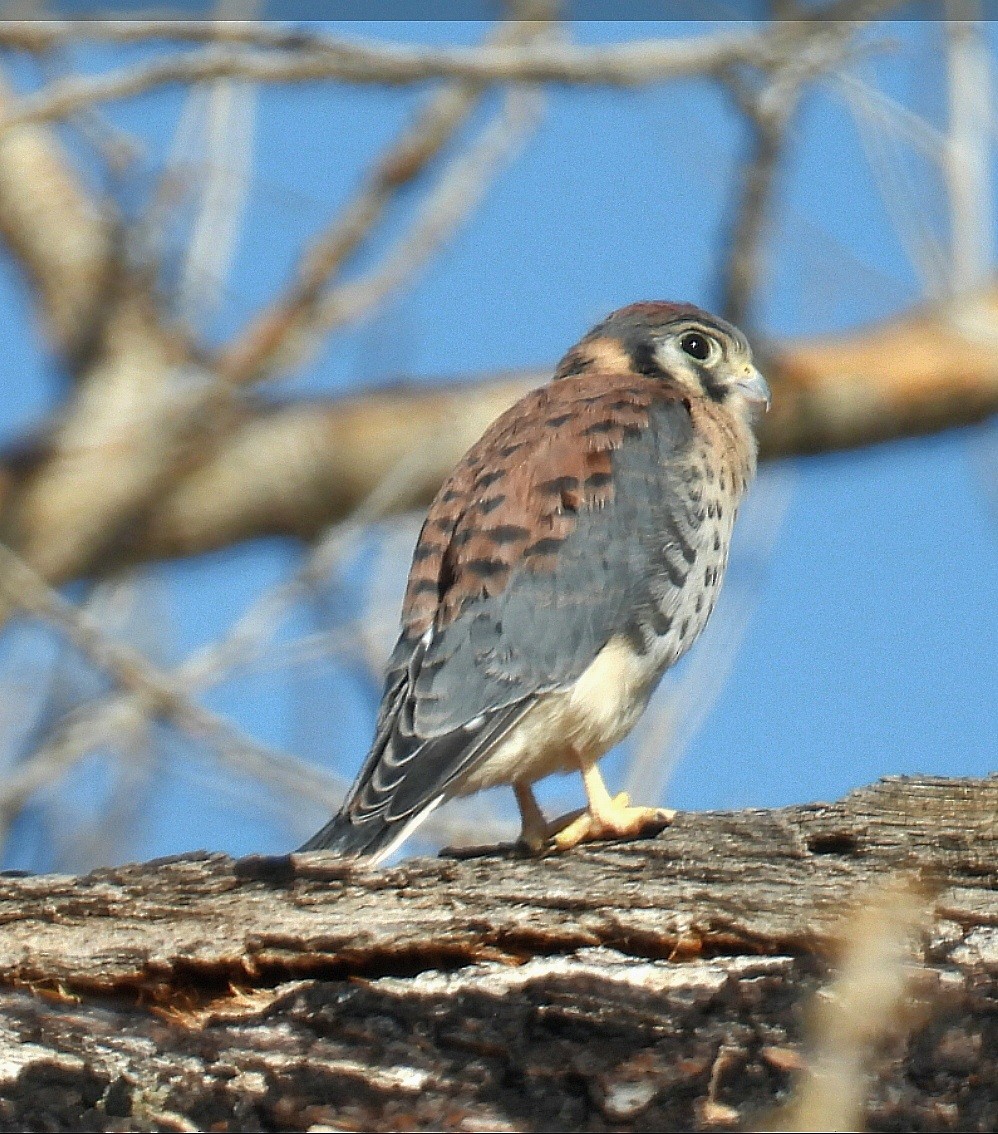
(572, 556)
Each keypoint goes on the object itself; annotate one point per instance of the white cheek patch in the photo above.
(678, 365)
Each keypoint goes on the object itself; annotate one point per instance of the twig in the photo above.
(228, 144)
(769, 112)
(285, 332)
(918, 131)
(436, 124)
(159, 694)
(968, 172)
(902, 196)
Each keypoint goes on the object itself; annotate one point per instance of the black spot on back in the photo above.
(546, 546)
(598, 480)
(601, 428)
(491, 504)
(486, 568)
(489, 478)
(507, 533)
(559, 485)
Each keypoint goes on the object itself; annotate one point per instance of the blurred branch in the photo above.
(293, 468)
(968, 153)
(159, 697)
(631, 64)
(869, 1006)
(226, 118)
(147, 407)
(768, 106)
(885, 132)
(108, 720)
(277, 329)
(63, 240)
(39, 36)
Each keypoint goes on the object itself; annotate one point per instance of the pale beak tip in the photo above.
(755, 388)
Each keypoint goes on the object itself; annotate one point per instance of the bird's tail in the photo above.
(373, 837)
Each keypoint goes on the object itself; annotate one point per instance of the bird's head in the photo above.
(702, 355)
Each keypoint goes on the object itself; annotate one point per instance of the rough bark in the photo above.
(656, 985)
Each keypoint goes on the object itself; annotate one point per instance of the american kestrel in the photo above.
(572, 556)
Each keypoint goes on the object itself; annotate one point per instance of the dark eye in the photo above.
(696, 346)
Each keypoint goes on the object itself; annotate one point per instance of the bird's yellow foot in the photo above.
(615, 819)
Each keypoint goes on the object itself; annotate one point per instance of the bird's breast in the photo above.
(694, 557)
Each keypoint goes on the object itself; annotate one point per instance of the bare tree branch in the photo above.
(293, 468)
(632, 64)
(160, 697)
(769, 111)
(60, 236)
(295, 314)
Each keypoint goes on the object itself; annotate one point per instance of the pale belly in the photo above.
(563, 729)
(567, 729)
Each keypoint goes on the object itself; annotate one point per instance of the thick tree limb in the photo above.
(656, 985)
(293, 468)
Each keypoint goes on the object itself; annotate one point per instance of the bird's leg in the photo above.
(534, 832)
(609, 817)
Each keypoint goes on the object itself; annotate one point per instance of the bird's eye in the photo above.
(696, 345)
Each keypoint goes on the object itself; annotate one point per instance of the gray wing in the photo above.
(456, 689)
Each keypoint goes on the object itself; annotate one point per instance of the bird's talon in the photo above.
(622, 822)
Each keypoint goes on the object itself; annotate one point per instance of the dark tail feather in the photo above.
(372, 838)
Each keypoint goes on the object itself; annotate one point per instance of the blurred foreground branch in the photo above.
(504, 994)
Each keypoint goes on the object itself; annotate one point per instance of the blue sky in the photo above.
(871, 649)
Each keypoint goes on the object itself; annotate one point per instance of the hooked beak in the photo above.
(754, 387)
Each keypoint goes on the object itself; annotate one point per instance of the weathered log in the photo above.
(655, 985)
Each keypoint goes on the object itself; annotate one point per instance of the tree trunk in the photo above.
(664, 984)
